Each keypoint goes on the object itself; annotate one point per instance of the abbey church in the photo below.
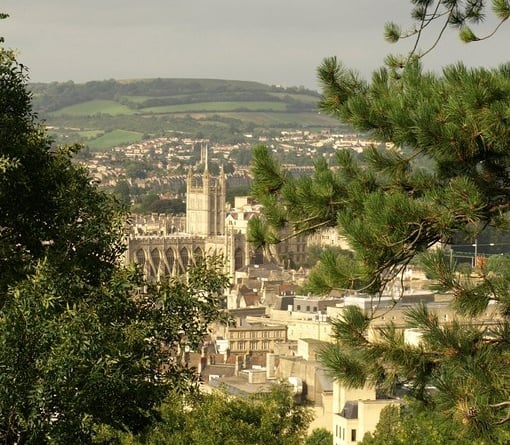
(167, 244)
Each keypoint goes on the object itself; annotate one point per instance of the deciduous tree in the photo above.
(80, 345)
(218, 418)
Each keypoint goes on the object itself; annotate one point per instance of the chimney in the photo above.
(270, 365)
(238, 365)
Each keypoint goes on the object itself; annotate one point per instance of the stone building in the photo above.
(166, 245)
(356, 412)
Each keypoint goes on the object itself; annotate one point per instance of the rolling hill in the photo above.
(102, 114)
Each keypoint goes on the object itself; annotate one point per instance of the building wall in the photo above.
(342, 394)
(343, 430)
(255, 339)
(165, 255)
(397, 316)
(369, 412)
(323, 413)
(300, 325)
(306, 371)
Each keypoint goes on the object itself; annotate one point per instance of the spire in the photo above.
(206, 159)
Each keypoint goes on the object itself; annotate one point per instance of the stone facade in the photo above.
(167, 245)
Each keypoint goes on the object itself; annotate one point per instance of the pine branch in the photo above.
(494, 31)
(423, 25)
(504, 420)
(306, 230)
(440, 35)
(501, 404)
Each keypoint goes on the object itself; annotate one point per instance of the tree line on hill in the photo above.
(136, 94)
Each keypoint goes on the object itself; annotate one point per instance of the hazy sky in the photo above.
(271, 41)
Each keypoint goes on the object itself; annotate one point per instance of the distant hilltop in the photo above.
(109, 113)
(150, 93)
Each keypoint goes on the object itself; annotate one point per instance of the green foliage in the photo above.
(319, 436)
(392, 32)
(386, 201)
(446, 13)
(138, 169)
(416, 425)
(94, 107)
(147, 93)
(122, 191)
(218, 419)
(115, 138)
(173, 206)
(81, 347)
(467, 35)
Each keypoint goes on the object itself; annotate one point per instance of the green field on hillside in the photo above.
(93, 107)
(90, 134)
(264, 119)
(217, 106)
(104, 114)
(115, 138)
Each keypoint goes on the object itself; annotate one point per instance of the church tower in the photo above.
(205, 201)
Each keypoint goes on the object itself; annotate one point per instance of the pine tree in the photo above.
(440, 173)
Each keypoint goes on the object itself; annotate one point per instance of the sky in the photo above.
(278, 42)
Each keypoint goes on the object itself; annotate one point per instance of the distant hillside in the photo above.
(218, 109)
(141, 94)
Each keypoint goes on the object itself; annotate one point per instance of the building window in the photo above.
(353, 435)
(298, 307)
(315, 308)
(307, 308)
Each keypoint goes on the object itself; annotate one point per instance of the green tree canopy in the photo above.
(80, 345)
(219, 419)
(419, 426)
(319, 436)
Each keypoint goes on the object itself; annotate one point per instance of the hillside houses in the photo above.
(170, 156)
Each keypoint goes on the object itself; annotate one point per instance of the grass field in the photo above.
(136, 99)
(90, 134)
(142, 99)
(93, 107)
(268, 118)
(220, 109)
(115, 138)
(217, 107)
